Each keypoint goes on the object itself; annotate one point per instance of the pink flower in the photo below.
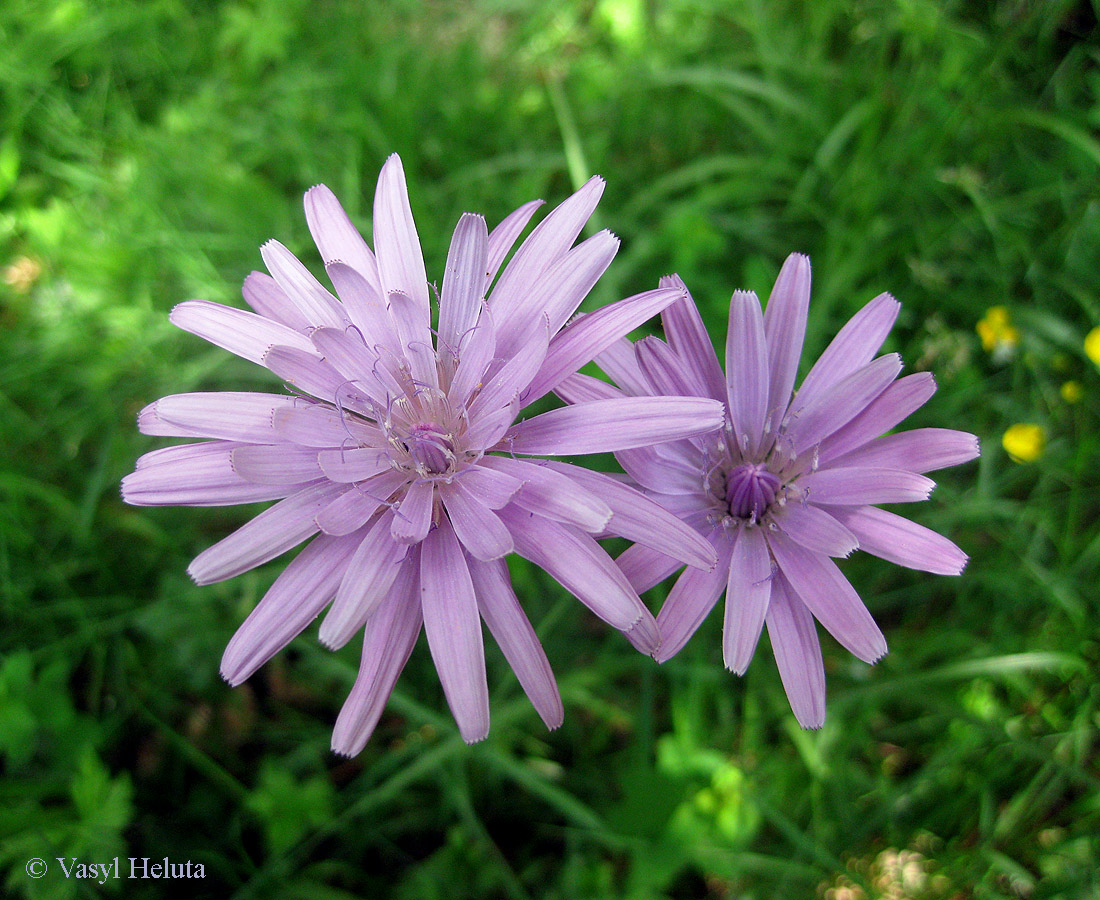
(789, 482)
(398, 457)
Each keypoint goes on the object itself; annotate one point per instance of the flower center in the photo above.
(750, 490)
(431, 449)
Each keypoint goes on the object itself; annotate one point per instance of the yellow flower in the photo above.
(1071, 391)
(998, 335)
(1092, 345)
(1024, 442)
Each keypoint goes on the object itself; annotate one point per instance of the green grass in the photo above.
(946, 152)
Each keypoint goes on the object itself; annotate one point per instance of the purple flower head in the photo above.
(398, 454)
(789, 482)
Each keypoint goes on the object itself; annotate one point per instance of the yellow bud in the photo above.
(1092, 345)
(1071, 391)
(996, 331)
(1024, 442)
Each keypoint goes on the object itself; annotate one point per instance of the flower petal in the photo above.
(336, 237)
(453, 626)
(508, 382)
(352, 465)
(747, 371)
(352, 509)
(230, 415)
(263, 294)
(854, 346)
(691, 598)
(837, 405)
(479, 529)
(798, 655)
(504, 236)
(620, 362)
(578, 388)
(390, 637)
(413, 516)
(920, 450)
(396, 243)
(316, 304)
(309, 373)
(607, 425)
(517, 639)
(365, 307)
(638, 518)
(552, 494)
(276, 464)
(785, 330)
(370, 572)
(414, 331)
(580, 565)
(318, 425)
(900, 541)
(815, 529)
(688, 336)
(272, 532)
(246, 334)
(892, 406)
(644, 567)
(300, 592)
(463, 280)
(865, 485)
(488, 485)
(818, 582)
(584, 338)
(748, 592)
(475, 349)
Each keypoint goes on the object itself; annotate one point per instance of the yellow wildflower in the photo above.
(998, 335)
(22, 274)
(1092, 345)
(1071, 391)
(1024, 442)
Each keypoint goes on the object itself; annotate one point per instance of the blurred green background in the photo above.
(945, 151)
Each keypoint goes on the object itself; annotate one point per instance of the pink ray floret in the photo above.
(397, 457)
(789, 482)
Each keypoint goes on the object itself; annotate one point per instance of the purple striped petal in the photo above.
(921, 450)
(476, 350)
(510, 379)
(336, 237)
(390, 637)
(317, 425)
(504, 236)
(354, 360)
(298, 595)
(263, 294)
(315, 303)
(479, 529)
(195, 475)
(836, 406)
(517, 639)
(309, 373)
(746, 371)
(578, 388)
(413, 323)
(748, 592)
(638, 518)
(688, 336)
(352, 509)
(453, 626)
(665, 371)
(854, 346)
(396, 243)
(645, 567)
(815, 529)
(557, 293)
(550, 240)
(350, 466)
(620, 362)
(246, 334)
(365, 307)
(785, 329)
(370, 572)
(691, 598)
(487, 429)
(818, 582)
(582, 340)
(580, 565)
(488, 486)
(463, 280)
(230, 415)
(904, 397)
(284, 464)
(552, 494)
(798, 655)
(270, 534)
(413, 516)
(608, 425)
(900, 541)
(865, 485)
